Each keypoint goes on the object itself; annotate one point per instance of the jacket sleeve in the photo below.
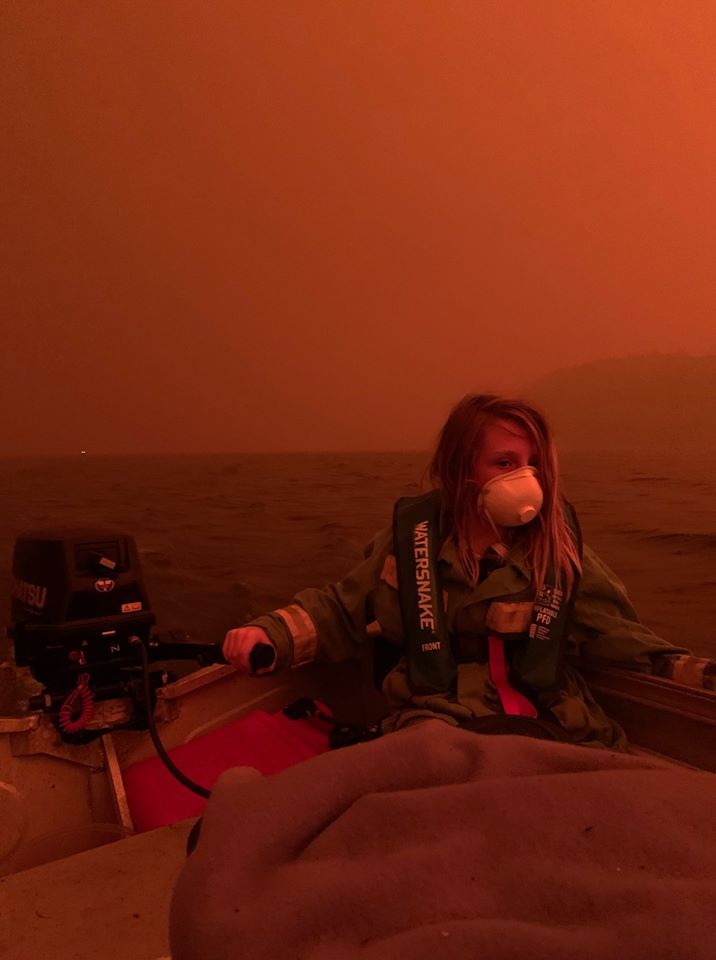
(329, 623)
(606, 627)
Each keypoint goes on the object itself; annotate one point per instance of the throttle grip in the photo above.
(262, 656)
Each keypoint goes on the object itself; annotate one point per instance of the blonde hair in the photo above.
(452, 468)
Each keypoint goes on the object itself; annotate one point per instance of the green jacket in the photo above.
(338, 621)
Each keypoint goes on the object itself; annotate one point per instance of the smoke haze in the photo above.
(313, 226)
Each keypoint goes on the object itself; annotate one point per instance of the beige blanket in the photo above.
(439, 843)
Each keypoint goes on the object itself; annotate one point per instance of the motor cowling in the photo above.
(77, 599)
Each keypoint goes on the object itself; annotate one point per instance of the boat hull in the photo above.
(58, 800)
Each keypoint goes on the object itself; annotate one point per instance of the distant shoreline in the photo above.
(217, 453)
(564, 451)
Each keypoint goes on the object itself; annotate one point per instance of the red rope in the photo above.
(82, 693)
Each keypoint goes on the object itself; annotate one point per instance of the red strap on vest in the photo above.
(513, 703)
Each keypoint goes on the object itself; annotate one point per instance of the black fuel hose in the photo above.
(261, 656)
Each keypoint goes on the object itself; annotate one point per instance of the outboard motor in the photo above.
(79, 608)
(82, 624)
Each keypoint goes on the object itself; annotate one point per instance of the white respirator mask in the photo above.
(512, 499)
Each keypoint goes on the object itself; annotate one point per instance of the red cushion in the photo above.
(269, 742)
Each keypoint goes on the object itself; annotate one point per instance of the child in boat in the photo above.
(522, 600)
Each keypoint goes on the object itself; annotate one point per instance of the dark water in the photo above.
(224, 538)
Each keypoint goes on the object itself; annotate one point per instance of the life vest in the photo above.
(537, 656)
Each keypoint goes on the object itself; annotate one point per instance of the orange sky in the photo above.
(314, 225)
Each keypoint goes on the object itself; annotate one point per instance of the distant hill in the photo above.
(651, 402)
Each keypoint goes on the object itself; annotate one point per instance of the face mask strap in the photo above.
(492, 524)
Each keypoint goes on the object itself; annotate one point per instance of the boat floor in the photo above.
(110, 902)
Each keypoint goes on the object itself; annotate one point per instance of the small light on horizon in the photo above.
(83, 452)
